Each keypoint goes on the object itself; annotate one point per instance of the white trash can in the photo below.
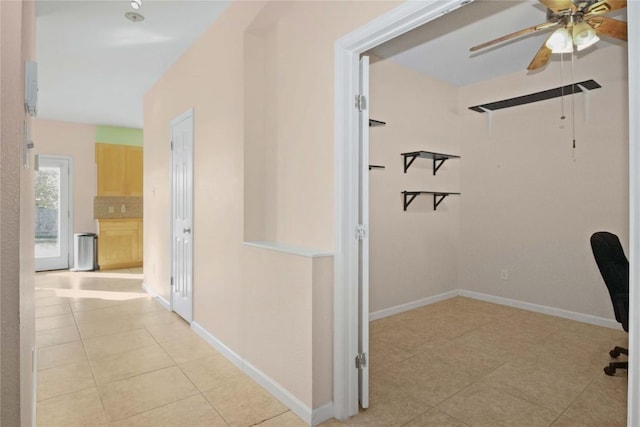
(85, 252)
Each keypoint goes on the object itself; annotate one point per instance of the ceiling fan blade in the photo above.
(559, 5)
(609, 27)
(522, 32)
(541, 58)
(604, 6)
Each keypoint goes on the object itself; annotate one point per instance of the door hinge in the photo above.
(172, 145)
(172, 281)
(361, 232)
(361, 360)
(361, 102)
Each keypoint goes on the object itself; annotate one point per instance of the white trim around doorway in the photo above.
(347, 51)
(398, 21)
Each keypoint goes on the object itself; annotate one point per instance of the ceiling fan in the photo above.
(576, 22)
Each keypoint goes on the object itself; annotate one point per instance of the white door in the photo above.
(363, 283)
(182, 215)
(52, 213)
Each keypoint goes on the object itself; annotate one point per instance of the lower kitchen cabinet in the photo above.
(119, 243)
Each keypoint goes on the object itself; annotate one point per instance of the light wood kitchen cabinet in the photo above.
(119, 243)
(119, 170)
(133, 183)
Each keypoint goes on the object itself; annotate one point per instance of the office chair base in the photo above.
(611, 369)
(618, 351)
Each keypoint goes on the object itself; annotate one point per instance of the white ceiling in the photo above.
(441, 48)
(94, 66)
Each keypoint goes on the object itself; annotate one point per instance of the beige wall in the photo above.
(287, 318)
(17, 335)
(296, 130)
(77, 141)
(413, 254)
(210, 78)
(529, 202)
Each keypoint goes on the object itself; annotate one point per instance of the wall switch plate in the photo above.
(504, 274)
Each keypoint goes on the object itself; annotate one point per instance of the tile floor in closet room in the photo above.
(109, 355)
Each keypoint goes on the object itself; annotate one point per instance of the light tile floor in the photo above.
(108, 355)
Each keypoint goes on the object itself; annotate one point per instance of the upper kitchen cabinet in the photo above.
(119, 170)
(133, 183)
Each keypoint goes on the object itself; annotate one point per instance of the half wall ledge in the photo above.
(290, 249)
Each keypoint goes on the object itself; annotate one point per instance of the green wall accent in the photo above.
(117, 135)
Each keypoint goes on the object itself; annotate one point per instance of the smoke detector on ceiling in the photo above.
(134, 16)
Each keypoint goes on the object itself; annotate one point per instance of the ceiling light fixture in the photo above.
(584, 35)
(136, 4)
(134, 16)
(560, 41)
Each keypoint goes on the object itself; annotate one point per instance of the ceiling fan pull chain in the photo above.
(562, 117)
(573, 106)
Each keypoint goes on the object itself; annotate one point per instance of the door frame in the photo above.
(398, 21)
(70, 206)
(175, 120)
(363, 209)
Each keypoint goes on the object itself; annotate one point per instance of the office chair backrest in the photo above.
(614, 268)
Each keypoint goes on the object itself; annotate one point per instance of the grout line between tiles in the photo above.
(270, 418)
(90, 368)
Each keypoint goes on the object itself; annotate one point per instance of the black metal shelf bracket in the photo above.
(438, 197)
(437, 163)
(438, 159)
(408, 198)
(437, 201)
(375, 167)
(376, 123)
(412, 157)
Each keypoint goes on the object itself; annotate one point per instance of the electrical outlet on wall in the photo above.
(504, 274)
(111, 209)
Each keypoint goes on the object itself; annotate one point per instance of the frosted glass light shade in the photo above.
(584, 35)
(560, 41)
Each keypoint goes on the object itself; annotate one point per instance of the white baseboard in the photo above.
(231, 355)
(552, 311)
(322, 414)
(311, 417)
(412, 305)
(280, 393)
(166, 304)
(34, 392)
(558, 312)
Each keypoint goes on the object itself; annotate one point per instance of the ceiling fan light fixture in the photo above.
(584, 35)
(560, 41)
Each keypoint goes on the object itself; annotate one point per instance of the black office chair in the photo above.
(614, 267)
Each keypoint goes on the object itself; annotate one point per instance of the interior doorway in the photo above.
(53, 215)
(348, 254)
(182, 215)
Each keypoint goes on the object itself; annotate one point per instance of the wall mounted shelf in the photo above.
(375, 123)
(584, 86)
(438, 197)
(438, 158)
(375, 167)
